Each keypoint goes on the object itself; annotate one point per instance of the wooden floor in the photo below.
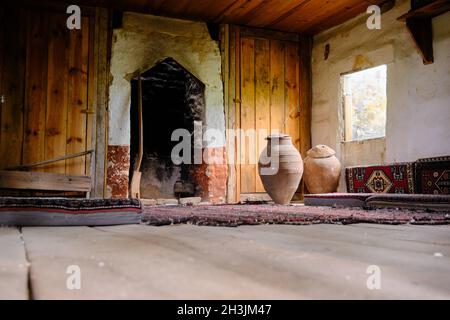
(193, 262)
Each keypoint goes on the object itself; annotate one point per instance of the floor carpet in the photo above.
(236, 215)
(68, 212)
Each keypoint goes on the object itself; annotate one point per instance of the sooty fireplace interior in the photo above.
(172, 98)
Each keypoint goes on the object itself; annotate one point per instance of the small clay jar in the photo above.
(280, 167)
(321, 170)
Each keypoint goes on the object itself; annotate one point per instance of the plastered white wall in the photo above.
(418, 96)
(140, 44)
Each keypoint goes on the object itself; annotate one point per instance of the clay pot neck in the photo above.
(280, 139)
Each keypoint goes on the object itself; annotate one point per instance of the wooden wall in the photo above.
(50, 79)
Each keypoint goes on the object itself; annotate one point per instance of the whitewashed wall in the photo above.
(140, 44)
(418, 96)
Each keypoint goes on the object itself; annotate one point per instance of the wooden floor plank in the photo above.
(13, 265)
(191, 262)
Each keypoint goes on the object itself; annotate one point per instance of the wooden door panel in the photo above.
(292, 93)
(262, 99)
(78, 97)
(47, 77)
(267, 85)
(49, 87)
(269, 99)
(247, 152)
(277, 86)
(57, 87)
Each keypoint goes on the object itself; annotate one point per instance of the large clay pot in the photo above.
(322, 170)
(280, 167)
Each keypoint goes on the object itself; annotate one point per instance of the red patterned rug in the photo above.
(395, 178)
(236, 215)
(433, 175)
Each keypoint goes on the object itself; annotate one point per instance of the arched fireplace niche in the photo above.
(172, 98)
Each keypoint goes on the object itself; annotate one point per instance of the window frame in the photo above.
(343, 118)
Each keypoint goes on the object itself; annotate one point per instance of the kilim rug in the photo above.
(68, 212)
(433, 175)
(236, 215)
(394, 178)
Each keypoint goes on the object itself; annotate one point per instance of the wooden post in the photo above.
(135, 188)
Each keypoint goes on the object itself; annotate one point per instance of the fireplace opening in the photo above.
(172, 98)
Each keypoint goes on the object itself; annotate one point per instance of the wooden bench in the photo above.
(44, 181)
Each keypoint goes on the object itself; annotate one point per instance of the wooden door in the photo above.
(268, 92)
(47, 83)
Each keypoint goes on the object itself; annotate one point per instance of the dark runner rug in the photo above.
(337, 199)
(236, 215)
(376, 200)
(68, 212)
(410, 201)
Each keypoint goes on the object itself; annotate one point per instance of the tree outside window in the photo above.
(364, 99)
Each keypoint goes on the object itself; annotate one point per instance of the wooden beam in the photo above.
(305, 92)
(237, 104)
(43, 181)
(226, 63)
(418, 22)
(101, 71)
(421, 31)
(268, 34)
(429, 11)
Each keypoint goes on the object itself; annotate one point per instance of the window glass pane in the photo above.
(364, 95)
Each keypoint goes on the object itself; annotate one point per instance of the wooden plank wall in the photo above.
(267, 86)
(262, 97)
(13, 72)
(35, 91)
(55, 84)
(57, 87)
(2, 28)
(43, 114)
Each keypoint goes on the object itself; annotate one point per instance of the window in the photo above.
(364, 99)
